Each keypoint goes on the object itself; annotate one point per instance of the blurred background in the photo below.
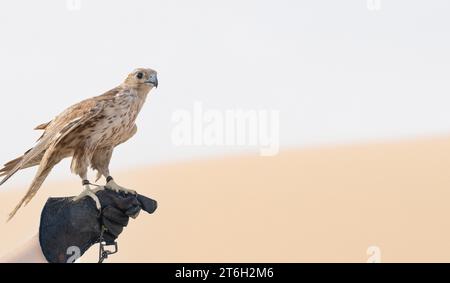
(362, 92)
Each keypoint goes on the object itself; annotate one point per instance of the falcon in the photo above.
(88, 132)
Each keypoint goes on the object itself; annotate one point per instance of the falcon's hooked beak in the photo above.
(153, 79)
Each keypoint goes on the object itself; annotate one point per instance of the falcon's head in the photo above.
(142, 78)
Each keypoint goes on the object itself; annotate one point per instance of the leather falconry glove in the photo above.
(69, 228)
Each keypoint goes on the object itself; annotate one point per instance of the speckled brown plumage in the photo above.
(87, 131)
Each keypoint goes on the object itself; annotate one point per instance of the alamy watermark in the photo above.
(73, 5)
(374, 253)
(231, 127)
(374, 5)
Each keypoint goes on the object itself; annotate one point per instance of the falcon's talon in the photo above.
(88, 192)
(113, 186)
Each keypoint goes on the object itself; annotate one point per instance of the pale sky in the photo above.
(337, 71)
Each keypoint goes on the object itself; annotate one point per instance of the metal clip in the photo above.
(103, 253)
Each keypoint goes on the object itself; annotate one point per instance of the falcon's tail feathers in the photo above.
(7, 167)
(35, 185)
(11, 167)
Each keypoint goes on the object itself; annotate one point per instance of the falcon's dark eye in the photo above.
(139, 75)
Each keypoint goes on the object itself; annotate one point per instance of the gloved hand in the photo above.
(70, 228)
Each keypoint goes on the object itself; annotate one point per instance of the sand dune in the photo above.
(312, 205)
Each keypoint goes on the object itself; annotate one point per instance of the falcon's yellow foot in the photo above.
(88, 192)
(113, 186)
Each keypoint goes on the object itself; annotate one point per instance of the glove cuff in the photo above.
(67, 229)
